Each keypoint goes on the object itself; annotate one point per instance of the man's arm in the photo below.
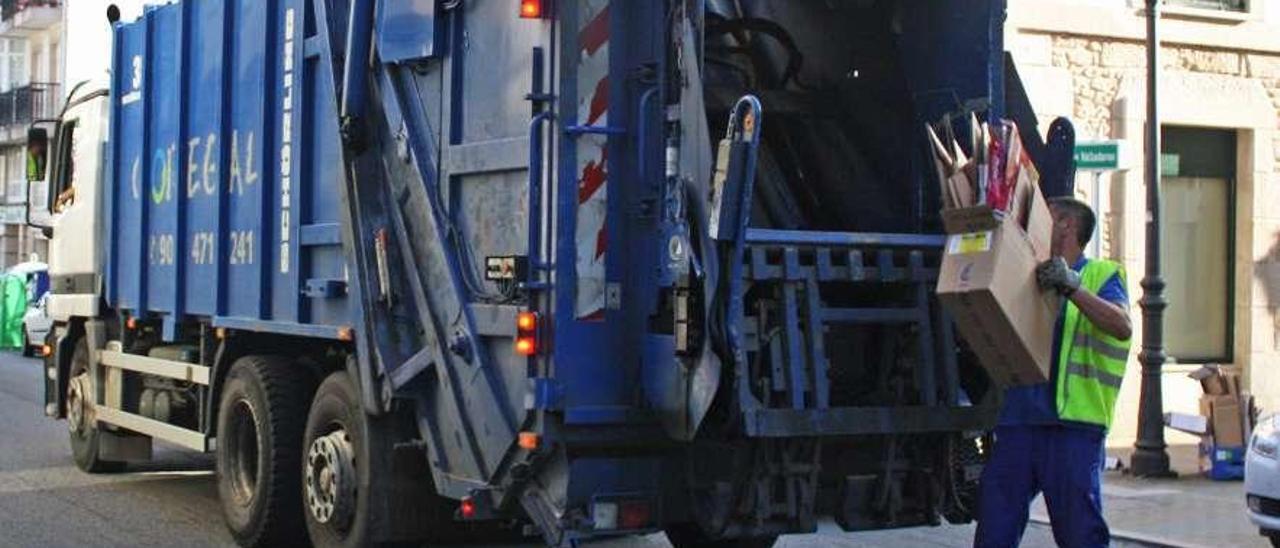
(1108, 310)
(1111, 318)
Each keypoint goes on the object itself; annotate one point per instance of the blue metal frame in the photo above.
(536, 152)
(736, 215)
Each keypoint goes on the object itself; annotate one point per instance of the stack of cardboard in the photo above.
(999, 228)
(1227, 415)
(1230, 411)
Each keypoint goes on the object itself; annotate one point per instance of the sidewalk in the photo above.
(1187, 511)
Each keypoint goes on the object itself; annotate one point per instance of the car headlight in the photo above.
(1264, 440)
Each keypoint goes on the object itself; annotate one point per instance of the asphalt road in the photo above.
(172, 501)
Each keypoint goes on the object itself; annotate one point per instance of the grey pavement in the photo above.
(45, 501)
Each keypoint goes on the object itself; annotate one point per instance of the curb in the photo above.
(1133, 536)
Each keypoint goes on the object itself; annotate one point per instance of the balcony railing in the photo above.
(21, 106)
(9, 8)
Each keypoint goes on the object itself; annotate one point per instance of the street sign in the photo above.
(1098, 155)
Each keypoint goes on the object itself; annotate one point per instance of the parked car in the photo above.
(36, 324)
(1262, 478)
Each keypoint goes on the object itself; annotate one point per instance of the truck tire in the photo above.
(28, 351)
(259, 439)
(346, 461)
(80, 421)
(352, 494)
(335, 477)
(689, 535)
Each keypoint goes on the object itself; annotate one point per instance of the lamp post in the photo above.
(1150, 459)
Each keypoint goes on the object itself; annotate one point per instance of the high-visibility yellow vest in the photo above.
(1090, 362)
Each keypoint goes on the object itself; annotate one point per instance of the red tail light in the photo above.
(527, 333)
(527, 321)
(526, 346)
(530, 9)
(467, 508)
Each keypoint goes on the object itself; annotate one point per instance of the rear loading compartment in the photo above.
(836, 153)
(846, 88)
(856, 401)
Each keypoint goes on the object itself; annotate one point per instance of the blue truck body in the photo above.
(224, 154)
(729, 341)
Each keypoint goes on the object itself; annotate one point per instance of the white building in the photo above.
(30, 89)
(1220, 97)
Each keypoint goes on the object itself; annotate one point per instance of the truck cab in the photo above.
(66, 168)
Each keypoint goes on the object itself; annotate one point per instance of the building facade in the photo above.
(30, 89)
(1220, 132)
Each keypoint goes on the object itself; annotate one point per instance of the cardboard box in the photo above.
(987, 283)
(1225, 418)
(1186, 422)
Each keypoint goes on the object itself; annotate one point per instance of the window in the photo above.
(1241, 6)
(62, 192)
(15, 64)
(16, 175)
(1197, 246)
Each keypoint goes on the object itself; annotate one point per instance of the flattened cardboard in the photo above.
(965, 220)
(1186, 422)
(1232, 380)
(1212, 382)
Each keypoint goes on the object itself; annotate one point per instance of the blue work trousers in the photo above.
(1063, 462)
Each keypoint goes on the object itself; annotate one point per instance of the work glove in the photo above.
(1056, 275)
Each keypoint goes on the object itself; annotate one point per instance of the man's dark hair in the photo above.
(1081, 212)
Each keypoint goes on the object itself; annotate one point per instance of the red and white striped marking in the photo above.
(590, 237)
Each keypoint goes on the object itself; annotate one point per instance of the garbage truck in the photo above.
(451, 270)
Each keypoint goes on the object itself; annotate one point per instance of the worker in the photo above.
(35, 160)
(1049, 438)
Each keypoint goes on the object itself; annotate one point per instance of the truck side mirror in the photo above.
(37, 153)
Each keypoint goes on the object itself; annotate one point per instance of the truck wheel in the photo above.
(28, 351)
(335, 479)
(259, 440)
(81, 420)
(689, 535)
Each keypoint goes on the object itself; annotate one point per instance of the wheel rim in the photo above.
(243, 449)
(79, 411)
(331, 479)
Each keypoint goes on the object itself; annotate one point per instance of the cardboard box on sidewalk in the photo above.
(987, 279)
(1225, 417)
(1228, 409)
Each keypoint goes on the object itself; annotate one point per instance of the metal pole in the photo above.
(1150, 459)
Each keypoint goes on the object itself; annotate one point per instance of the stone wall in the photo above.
(1098, 66)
